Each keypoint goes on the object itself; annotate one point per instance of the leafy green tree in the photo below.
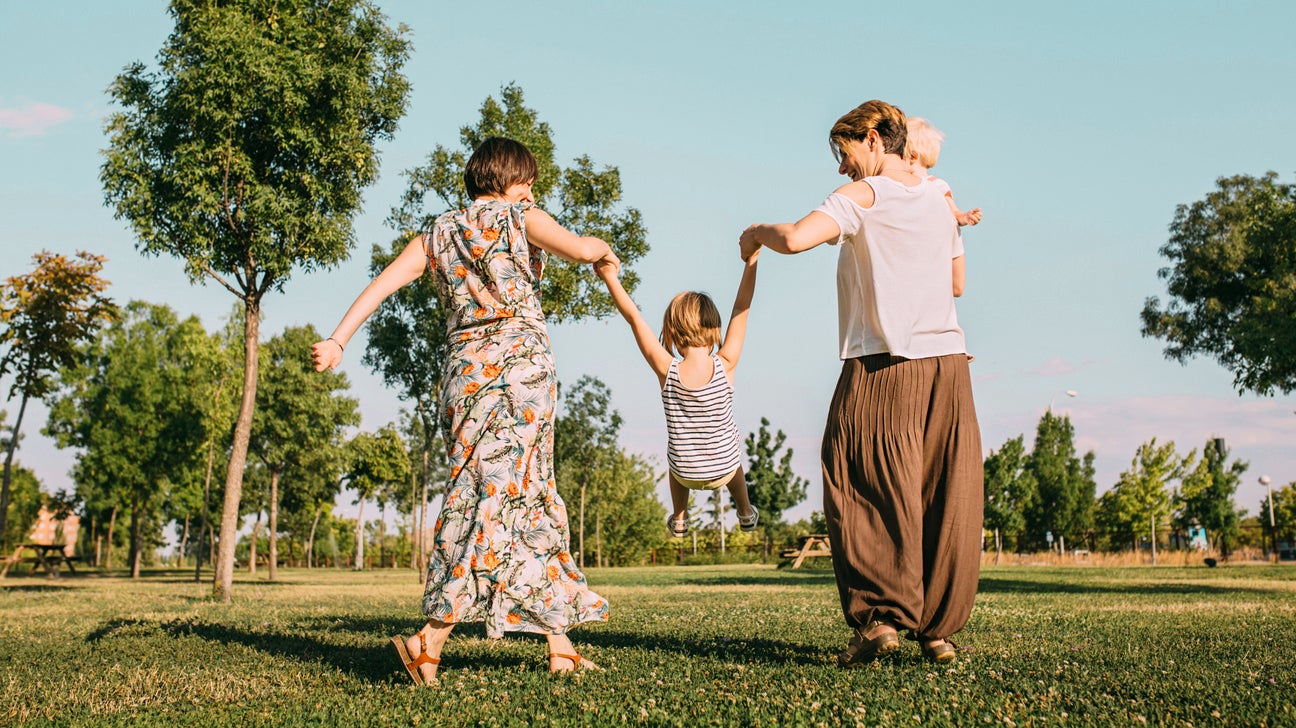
(771, 485)
(130, 409)
(375, 461)
(1065, 482)
(1010, 491)
(585, 443)
(430, 465)
(580, 197)
(300, 418)
(1206, 495)
(1284, 520)
(244, 154)
(1139, 503)
(46, 315)
(23, 506)
(1229, 280)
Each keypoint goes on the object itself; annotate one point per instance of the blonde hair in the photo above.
(924, 142)
(887, 120)
(691, 319)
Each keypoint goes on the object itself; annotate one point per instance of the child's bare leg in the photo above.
(738, 489)
(679, 498)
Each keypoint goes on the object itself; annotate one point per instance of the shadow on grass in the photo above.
(782, 577)
(999, 585)
(33, 587)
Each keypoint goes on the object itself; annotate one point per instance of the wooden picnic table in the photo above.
(815, 544)
(49, 556)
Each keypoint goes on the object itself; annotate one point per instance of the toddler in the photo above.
(703, 450)
(921, 152)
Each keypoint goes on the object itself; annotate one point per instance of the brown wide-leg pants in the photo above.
(903, 485)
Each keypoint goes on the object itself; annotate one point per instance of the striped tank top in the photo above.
(701, 437)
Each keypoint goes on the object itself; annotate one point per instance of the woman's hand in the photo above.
(326, 354)
(747, 242)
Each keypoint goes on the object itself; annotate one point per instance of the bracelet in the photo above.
(335, 341)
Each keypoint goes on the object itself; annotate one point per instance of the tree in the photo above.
(579, 197)
(585, 441)
(1010, 491)
(24, 505)
(1284, 517)
(429, 465)
(300, 420)
(244, 155)
(1065, 482)
(130, 409)
(771, 484)
(1206, 495)
(631, 516)
(375, 461)
(1140, 500)
(47, 315)
(1231, 295)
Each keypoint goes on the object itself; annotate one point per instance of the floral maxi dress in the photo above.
(501, 551)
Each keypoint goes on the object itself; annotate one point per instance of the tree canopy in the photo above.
(1232, 283)
(772, 485)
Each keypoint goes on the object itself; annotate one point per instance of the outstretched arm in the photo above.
(731, 349)
(545, 233)
(653, 352)
(790, 238)
(971, 217)
(408, 266)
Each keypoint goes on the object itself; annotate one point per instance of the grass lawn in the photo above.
(721, 645)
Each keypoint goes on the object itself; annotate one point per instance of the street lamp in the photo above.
(1067, 392)
(1273, 537)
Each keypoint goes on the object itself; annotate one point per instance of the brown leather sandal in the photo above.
(412, 665)
(862, 650)
(580, 663)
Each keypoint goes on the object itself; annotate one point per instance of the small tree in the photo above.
(46, 315)
(1206, 495)
(1284, 516)
(1066, 484)
(245, 154)
(1010, 491)
(771, 485)
(1140, 500)
(585, 441)
(1229, 281)
(375, 462)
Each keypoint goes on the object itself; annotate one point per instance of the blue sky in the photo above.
(1077, 127)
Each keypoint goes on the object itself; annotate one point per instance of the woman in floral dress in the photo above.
(501, 544)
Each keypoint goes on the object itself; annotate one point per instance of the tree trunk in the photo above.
(252, 551)
(204, 529)
(211, 544)
(274, 526)
(1153, 521)
(582, 525)
(112, 524)
(1061, 545)
(998, 547)
(382, 535)
(359, 538)
(136, 538)
(310, 543)
(423, 514)
(8, 473)
(598, 538)
(184, 543)
(223, 582)
(414, 516)
(719, 514)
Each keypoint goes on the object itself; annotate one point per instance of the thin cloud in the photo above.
(32, 119)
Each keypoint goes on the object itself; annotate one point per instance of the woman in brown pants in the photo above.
(901, 449)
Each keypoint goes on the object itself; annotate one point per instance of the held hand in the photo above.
(748, 245)
(751, 259)
(972, 216)
(608, 258)
(326, 354)
(606, 270)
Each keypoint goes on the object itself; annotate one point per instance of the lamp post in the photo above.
(1273, 537)
(1067, 392)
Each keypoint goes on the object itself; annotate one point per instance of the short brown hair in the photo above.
(879, 116)
(691, 319)
(497, 164)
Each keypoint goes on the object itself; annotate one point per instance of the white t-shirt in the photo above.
(894, 274)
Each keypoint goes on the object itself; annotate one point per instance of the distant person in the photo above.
(901, 448)
(501, 551)
(922, 149)
(703, 449)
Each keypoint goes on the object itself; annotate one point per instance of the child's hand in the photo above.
(971, 217)
(747, 243)
(326, 354)
(606, 269)
(751, 259)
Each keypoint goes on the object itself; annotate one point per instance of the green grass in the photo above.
(721, 645)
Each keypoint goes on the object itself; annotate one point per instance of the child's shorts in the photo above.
(714, 484)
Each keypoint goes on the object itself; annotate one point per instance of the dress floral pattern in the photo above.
(501, 551)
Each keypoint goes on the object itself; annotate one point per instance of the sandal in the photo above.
(863, 650)
(939, 653)
(578, 663)
(412, 665)
(678, 527)
(748, 522)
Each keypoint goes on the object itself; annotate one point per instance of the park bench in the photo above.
(815, 544)
(48, 552)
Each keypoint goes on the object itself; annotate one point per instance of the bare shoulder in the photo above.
(860, 192)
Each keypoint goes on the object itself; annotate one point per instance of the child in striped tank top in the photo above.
(703, 449)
